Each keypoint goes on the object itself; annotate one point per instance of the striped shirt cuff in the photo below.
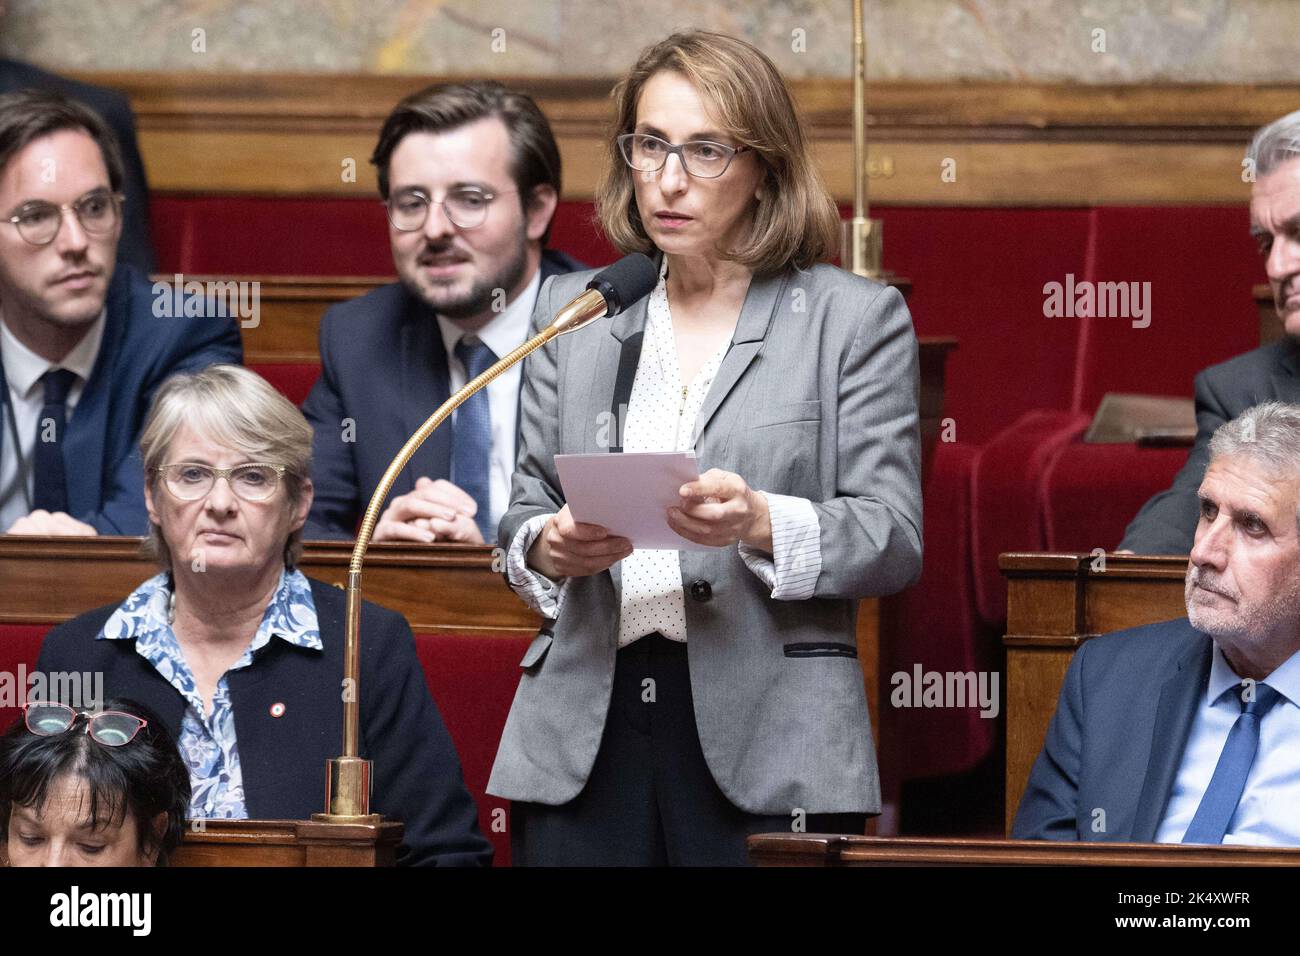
(796, 560)
(538, 591)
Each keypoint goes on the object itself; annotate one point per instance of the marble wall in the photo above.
(1088, 41)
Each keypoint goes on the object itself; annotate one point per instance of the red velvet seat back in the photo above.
(20, 645)
(473, 680)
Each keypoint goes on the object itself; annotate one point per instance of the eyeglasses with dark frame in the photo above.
(467, 207)
(701, 158)
(38, 222)
(112, 728)
(190, 480)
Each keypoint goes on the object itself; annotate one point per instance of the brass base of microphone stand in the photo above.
(347, 792)
(861, 247)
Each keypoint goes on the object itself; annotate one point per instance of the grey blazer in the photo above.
(816, 397)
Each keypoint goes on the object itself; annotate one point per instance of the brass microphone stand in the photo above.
(348, 780)
(860, 238)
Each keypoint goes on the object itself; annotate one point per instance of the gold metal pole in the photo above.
(347, 783)
(861, 241)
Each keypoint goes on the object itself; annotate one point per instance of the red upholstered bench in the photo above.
(472, 679)
(291, 381)
(20, 645)
(1091, 492)
(942, 629)
(1006, 513)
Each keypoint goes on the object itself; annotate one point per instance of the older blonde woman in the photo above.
(680, 700)
(241, 654)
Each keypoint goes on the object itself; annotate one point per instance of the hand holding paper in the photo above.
(719, 508)
(660, 501)
(569, 549)
(629, 494)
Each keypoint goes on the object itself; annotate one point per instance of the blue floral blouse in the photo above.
(207, 740)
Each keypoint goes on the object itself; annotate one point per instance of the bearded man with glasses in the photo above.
(81, 351)
(469, 175)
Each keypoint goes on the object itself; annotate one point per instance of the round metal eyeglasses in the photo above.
(38, 222)
(466, 208)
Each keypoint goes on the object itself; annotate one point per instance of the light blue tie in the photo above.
(471, 447)
(1224, 792)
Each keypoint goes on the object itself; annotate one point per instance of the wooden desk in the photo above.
(813, 849)
(288, 843)
(439, 588)
(1055, 602)
(290, 310)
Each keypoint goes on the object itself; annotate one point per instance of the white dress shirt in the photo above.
(26, 396)
(1267, 814)
(661, 416)
(505, 333)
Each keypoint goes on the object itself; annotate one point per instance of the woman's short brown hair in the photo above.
(796, 223)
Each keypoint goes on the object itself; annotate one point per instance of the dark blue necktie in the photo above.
(48, 481)
(1224, 792)
(471, 448)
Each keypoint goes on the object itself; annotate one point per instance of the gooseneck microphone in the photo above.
(347, 786)
(610, 292)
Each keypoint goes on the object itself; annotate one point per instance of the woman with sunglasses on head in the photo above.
(240, 653)
(91, 789)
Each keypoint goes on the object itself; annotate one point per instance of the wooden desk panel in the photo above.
(288, 843)
(813, 849)
(1019, 143)
(439, 588)
(289, 312)
(1055, 602)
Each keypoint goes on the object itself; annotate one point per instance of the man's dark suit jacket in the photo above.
(1167, 523)
(137, 353)
(135, 246)
(1116, 741)
(417, 777)
(384, 369)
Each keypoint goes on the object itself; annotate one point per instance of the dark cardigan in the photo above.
(416, 773)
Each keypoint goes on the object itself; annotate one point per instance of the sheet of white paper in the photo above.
(630, 493)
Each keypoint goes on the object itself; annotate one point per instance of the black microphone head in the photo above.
(631, 278)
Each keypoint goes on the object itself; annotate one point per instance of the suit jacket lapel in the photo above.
(90, 420)
(551, 265)
(426, 384)
(1175, 712)
(7, 413)
(1286, 375)
(751, 328)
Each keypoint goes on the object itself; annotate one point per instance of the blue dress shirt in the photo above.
(1268, 813)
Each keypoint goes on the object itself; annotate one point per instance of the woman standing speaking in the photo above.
(677, 701)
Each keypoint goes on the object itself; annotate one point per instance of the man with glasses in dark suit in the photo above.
(81, 347)
(470, 176)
